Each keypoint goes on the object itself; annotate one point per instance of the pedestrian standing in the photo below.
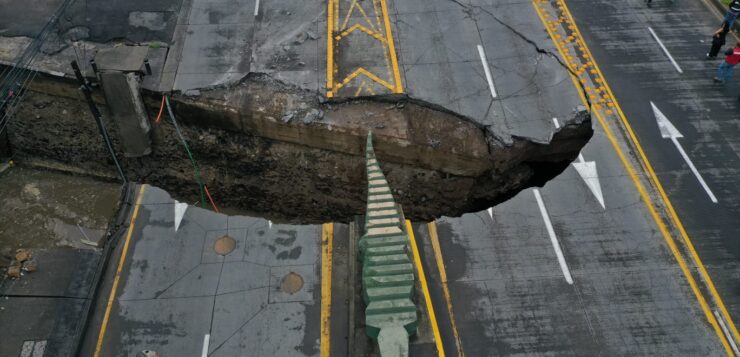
(718, 40)
(733, 10)
(732, 58)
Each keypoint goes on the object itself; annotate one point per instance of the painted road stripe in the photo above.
(119, 270)
(553, 237)
(432, 227)
(180, 208)
(665, 50)
(206, 341)
(425, 290)
(727, 333)
(641, 189)
(256, 8)
(327, 240)
(588, 172)
(330, 48)
(668, 131)
(398, 86)
(484, 61)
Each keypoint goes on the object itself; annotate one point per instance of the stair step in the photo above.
(389, 292)
(376, 260)
(392, 269)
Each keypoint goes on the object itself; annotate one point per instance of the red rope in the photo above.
(161, 109)
(210, 199)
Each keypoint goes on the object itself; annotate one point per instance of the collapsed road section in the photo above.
(285, 152)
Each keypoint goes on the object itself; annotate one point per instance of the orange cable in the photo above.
(210, 199)
(161, 109)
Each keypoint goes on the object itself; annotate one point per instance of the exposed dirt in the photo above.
(43, 209)
(288, 154)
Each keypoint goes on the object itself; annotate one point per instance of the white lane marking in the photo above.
(180, 208)
(553, 237)
(206, 341)
(678, 68)
(484, 61)
(728, 336)
(256, 8)
(590, 175)
(668, 131)
(588, 172)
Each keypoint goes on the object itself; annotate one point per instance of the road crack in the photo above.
(469, 9)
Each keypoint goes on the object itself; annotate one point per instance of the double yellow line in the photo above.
(567, 19)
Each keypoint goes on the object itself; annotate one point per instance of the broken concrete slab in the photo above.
(439, 162)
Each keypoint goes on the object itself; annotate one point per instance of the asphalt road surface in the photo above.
(600, 261)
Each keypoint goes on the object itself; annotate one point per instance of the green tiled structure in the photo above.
(387, 273)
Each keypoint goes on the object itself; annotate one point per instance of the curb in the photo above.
(116, 229)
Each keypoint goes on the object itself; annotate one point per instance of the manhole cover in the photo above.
(291, 283)
(224, 245)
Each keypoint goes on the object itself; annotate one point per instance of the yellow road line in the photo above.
(432, 227)
(330, 49)
(368, 74)
(425, 290)
(327, 241)
(359, 89)
(364, 29)
(346, 19)
(646, 163)
(391, 48)
(117, 278)
(640, 188)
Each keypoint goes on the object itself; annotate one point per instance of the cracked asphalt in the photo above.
(550, 272)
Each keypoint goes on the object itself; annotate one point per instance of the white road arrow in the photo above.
(668, 131)
(589, 174)
(180, 208)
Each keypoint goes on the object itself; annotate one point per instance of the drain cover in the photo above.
(291, 283)
(224, 245)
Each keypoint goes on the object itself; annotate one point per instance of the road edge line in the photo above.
(117, 278)
(425, 290)
(327, 240)
(391, 47)
(432, 228)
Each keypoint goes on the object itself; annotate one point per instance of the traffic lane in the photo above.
(627, 286)
(177, 293)
(622, 302)
(533, 87)
(703, 112)
(498, 312)
(439, 57)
